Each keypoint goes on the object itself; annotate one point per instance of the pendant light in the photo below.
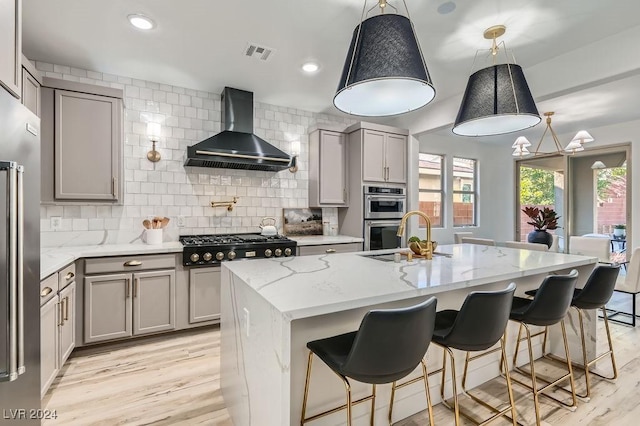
(384, 72)
(497, 99)
(575, 145)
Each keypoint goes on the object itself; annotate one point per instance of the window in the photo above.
(464, 192)
(431, 188)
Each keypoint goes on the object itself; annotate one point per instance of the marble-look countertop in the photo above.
(53, 259)
(317, 240)
(306, 286)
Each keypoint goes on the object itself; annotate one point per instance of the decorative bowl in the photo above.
(419, 247)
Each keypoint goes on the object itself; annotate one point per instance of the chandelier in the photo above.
(521, 145)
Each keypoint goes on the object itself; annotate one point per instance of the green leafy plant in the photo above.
(542, 220)
(414, 239)
(620, 226)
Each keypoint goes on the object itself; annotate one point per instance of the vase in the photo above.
(540, 237)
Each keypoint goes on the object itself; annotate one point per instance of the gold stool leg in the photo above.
(373, 403)
(613, 358)
(536, 402)
(347, 387)
(306, 389)
(508, 378)
(566, 351)
(456, 406)
(393, 395)
(426, 388)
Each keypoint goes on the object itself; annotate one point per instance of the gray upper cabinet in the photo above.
(327, 169)
(384, 157)
(31, 83)
(87, 138)
(154, 301)
(11, 45)
(82, 133)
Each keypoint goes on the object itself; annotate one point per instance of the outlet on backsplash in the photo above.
(56, 223)
(181, 221)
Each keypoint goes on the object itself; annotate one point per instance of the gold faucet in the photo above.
(427, 252)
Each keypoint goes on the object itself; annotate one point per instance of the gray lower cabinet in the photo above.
(204, 294)
(154, 301)
(123, 305)
(67, 324)
(49, 352)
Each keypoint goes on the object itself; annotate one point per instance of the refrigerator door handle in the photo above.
(11, 370)
(20, 267)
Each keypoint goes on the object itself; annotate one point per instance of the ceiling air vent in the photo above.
(256, 51)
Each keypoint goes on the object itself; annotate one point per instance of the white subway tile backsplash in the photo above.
(168, 188)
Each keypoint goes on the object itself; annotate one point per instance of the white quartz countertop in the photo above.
(53, 259)
(306, 286)
(317, 240)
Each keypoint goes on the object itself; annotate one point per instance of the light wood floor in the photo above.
(175, 380)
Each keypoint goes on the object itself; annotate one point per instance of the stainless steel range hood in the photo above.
(237, 147)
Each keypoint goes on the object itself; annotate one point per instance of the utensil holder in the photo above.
(154, 236)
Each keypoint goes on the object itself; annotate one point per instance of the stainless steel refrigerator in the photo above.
(19, 263)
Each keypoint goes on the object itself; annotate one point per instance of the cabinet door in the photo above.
(67, 329)
(154, 301)
(333, 167)
(86, 145)
(204, 294)
(396, 158)
(373, 164)
(30, 92)
(49, 365)
(10, 45)
(107, 307)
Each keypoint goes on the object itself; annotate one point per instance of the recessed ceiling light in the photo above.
(446, 8)
(310, 67)
(141, 22)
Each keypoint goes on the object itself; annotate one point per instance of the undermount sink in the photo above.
(389, 257)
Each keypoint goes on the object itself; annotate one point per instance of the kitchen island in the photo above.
(272, 308)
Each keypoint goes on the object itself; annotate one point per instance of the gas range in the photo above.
(202, 250)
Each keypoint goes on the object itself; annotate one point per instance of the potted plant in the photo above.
(542, 220)
(619, 231)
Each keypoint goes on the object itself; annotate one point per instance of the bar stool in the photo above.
(548, 307)
(389, 344)
(478, 325)
(594, 295)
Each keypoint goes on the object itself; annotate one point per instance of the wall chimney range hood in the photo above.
(237, 147)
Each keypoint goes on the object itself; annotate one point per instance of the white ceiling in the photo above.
(200, 44)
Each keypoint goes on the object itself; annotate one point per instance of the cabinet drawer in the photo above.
(48, 288)
(329, 248)
(67, 275)
(129, 263)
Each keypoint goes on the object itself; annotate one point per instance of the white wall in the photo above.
(169, 189)
(496, 195)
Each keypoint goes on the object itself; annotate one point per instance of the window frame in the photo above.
(441, 191)
(473, 192)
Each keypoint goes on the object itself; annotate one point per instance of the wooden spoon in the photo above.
(164, 222)
(146, 223)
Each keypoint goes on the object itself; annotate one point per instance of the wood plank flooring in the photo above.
(175, 380)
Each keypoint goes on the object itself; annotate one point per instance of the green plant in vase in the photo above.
(542, 220)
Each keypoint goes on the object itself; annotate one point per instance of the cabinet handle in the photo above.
(344, 194)
(69, 276)
(128, 287)
(46, 291)
(330, 250)
(133, 263)
(114, 187)
(135, 287)
(61, 322)
(66, 308)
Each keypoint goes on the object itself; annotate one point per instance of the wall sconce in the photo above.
(295, 152)
(153, 133)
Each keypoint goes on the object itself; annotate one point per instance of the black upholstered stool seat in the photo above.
(477, 326)
(549, 306)
(389, 344)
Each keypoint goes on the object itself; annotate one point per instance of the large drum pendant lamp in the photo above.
(497, 99)
(384, 72)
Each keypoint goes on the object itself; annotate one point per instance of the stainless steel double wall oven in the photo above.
(384, 206)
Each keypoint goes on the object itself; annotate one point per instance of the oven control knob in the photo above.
(231, 255)
(287, 251)
(194, 257)
(268, 253)
(219, 255)
(207, 256)
(278, 252)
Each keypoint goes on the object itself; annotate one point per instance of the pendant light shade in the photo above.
(384, 72)
(497, 100)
